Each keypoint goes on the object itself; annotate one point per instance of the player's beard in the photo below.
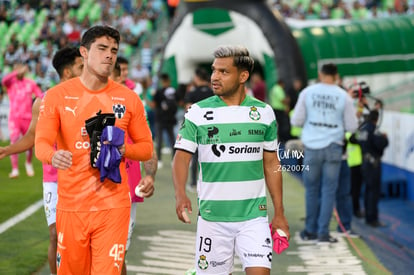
(229, 92)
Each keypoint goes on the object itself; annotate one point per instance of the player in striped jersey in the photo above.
(236, 138)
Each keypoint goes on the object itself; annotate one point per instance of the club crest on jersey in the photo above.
(254, 114)
(58, 259)
(119, 110)
(202, 262)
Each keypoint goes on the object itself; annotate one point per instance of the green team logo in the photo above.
(254, 114)
(202, 262)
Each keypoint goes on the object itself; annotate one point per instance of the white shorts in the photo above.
(50, 201)
(217, 241)
(132, 218)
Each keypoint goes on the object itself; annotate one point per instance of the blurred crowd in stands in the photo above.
(342, 9)
(32, 31)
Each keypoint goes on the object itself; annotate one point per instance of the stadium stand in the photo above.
(24, 22)
(38, 29)
(342, 9)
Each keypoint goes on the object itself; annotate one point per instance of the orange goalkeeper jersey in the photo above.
(62, 119)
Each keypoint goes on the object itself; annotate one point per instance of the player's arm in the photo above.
(350, 117)
(140, 133)
(37, 91)
(47, 128)
(274, 183)
(27, 141)
(8, 79)
(180, 166)
(150, 169)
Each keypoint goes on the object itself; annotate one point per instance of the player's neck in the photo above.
(93, 82)
(234, 99)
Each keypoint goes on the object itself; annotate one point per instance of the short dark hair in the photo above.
(240, 54)
(373, 116)
(122, 60)
(63, 58)
(329, 69)
(117, 69)
(202, 74)
(99, 31)
(165, 77)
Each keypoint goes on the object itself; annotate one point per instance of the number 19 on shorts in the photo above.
(205, 244)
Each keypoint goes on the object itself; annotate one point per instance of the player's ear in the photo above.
(67, 73)
(244, 76)
(83, 51)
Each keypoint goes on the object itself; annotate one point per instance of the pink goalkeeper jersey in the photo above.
(20, 92)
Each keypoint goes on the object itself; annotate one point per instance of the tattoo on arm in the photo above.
(150, 166)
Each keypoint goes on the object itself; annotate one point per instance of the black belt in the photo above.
(319, 124)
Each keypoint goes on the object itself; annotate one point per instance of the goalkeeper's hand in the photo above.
(94, 127)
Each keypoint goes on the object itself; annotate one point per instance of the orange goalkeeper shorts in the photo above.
(91, 243)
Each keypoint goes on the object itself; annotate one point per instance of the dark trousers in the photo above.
(283, 125)
(343, 197)
(169, 129)
(372, 178)
(356, 185)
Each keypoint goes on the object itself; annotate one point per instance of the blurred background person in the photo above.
(373, 144)
(166, 106)
(20, 91)
(258, 86)
(201, 90)
(325, 111)
(280, 103)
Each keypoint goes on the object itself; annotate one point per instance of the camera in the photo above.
(360, 89)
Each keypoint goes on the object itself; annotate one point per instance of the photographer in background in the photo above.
(357, 91)
(372, 144)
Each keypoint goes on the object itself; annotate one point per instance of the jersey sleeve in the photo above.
(47, 128)
(270, 138)
(8, 79)
(139, 132)
(187, 135)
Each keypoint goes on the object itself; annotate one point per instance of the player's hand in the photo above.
(122, 149)
(3, 152)
(62, 159)
(146, 186)
(280, 222)
(181, 205)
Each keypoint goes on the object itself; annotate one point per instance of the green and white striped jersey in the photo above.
(230, 140)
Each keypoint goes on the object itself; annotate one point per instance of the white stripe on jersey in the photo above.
(227, 115)
(232, 190)
(227, 152)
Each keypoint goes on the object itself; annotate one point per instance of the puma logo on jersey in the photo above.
(71, 110)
